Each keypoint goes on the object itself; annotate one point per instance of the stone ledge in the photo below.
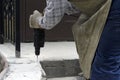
(61, 68)
(3, 66)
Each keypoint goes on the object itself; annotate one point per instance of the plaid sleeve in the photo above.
(54, 12)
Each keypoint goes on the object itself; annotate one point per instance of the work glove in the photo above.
(34, 19)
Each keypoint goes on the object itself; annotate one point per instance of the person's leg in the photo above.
(106, 64)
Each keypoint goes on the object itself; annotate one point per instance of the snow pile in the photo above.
(30, 71)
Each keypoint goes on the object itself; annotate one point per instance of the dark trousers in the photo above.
(106, 64)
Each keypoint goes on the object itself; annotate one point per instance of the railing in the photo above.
(11, 22)
(1, 25)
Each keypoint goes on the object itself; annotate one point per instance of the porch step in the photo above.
(61, 68)
(68, 78)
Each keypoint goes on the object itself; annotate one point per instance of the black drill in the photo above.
(39, 39)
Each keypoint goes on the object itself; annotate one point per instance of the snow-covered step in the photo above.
(52, 51)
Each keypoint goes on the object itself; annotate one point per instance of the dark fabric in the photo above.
(1, 28)
(106, 64)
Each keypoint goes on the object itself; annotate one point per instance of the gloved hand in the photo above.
(34, 19)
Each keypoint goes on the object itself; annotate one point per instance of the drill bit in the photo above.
(37, 52)
(37, 57)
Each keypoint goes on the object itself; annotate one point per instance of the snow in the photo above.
(59, 51)
(27, 67)
(24, 72)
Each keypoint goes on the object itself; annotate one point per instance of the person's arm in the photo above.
(53, 14)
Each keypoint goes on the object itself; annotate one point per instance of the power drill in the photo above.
(39, 39)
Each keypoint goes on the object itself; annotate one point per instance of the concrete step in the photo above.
(68, 78)
(61, 68)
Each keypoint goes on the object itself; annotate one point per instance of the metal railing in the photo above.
(1, 25)
(11, 23)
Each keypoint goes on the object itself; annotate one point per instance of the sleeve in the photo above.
(71, 9)
(53, 14)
